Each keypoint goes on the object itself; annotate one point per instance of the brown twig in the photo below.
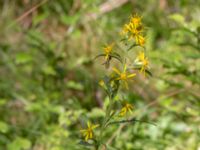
(25, 14)
(105, 8)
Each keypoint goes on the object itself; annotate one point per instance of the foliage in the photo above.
(49, 75)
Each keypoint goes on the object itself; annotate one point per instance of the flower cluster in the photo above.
(120, 77)
(125, 109)
(124, 76)
(134, 30)
(142, 61)
(88, 133)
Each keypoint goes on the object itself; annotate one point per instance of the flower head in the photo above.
(134, 30)
(108, 50)
(124, 76)
(140, 40)
(88, 133)
(136, 20)
(125, 109)
(131, 30)
(144, 62)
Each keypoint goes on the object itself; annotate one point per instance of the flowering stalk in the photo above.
(119, 78)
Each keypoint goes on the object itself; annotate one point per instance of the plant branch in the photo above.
(130, 121)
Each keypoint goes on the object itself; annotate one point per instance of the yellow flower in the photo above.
(88, 133)
(144, 66)
(108, 50)
(144, 62)
(140, 40)
(123, 76)
(125, 109)
(132, 31)
(141, 56)
(136, 20)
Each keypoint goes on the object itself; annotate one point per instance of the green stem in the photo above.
(106, 119)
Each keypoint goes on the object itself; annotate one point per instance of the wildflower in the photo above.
(123, 76)
(140, 40)
(141, 56)
(125, 109)
(136, 20)
(144, 62)
(88, 133)
(134, 29)
(131, 30)
(108, 50)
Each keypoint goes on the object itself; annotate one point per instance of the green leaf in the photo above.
(39, 18)
(178, 18)
(20, 144)
(2, 102)
(117, 56)
(22, 58)
(146, 71)
(85, 143)
(149, 73)
(48, 70)
(99, 56)
(3, 127)
(130, 121)
(74, 85)
(131, 47)
(96, 112)
(69, 20)
(106, 80)
(76, 33)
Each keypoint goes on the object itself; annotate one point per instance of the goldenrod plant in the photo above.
(119, 78)
(55, 95)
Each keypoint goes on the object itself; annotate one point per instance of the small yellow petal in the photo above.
(87, 137)
(123, 111)
(106, 56)
(90, 135)
(116, 71)
(131, 75)
(125, 67)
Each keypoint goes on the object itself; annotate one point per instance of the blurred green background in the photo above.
(49, 79)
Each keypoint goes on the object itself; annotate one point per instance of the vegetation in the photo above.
(109, 75)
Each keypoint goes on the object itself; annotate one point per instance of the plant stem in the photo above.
(106, 119)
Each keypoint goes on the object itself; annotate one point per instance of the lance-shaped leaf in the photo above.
(112, 86)
(106, 80)
(146, 71)
(133, 45)
(85, 143)
(100, 56)
(116, 56)
(130, 121)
